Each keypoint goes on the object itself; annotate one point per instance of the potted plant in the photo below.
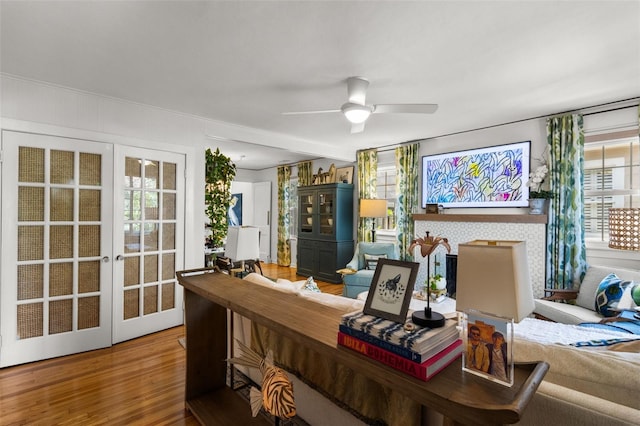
(537, 196)
(219, 174)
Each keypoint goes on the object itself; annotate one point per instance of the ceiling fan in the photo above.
(357, 112)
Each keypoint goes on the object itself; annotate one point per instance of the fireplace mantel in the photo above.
(498, 218)
(461, 228)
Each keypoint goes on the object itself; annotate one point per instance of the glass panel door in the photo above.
(56, 275)
(151, 193)
(326, 212)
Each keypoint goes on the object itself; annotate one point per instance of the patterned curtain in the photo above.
(305, 173)
(566, 251)
(284, 246)
(407, 187)
(367, 181)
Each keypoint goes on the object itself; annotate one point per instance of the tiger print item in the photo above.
(277, 390)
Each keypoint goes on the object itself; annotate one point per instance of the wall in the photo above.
(40, 108)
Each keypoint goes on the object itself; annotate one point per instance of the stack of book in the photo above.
(421, 351)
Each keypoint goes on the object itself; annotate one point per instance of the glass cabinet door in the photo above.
(326, 206)
(307, 210)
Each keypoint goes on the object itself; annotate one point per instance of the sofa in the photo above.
(575, 306)
(584, 386)
(363, 266)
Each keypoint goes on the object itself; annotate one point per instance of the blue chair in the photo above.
(363, 262)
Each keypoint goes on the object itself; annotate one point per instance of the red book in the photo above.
(423, 371)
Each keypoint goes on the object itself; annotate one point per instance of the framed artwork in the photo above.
(344, 175)
(391, 289)
(234, 216)
(495, 176)
(489, 346)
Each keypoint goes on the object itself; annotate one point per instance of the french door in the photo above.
(148, 241)
(56, 247)
(83, 265)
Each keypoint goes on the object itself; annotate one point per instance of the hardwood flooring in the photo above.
(138, 382)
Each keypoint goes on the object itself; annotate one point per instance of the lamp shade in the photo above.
(624, 228)
(493, 277)
(373, 208)
(243, 243)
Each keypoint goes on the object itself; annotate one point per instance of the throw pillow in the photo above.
(608, 295)
(630, 298)
(371, 260)
(310, 285)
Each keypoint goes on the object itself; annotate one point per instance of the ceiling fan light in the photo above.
(355, 113)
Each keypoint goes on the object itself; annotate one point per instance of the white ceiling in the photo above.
(484, 62)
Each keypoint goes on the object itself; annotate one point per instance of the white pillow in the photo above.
(626, 301)
(371, 260)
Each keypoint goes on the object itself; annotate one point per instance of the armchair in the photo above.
(360, 281)
(552, 307)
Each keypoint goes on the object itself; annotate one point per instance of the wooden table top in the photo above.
(461, 396)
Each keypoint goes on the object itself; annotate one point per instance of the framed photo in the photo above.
(391, 289)
(344, 175)
(489, 346)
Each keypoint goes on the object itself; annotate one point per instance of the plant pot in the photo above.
(537, 206)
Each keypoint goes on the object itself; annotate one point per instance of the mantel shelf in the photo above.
(499, 218)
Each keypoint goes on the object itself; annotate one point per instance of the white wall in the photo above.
(529, 130)
(43, 108)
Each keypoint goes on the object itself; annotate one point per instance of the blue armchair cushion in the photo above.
(355, 284)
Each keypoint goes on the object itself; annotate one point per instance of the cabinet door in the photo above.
(326, 213)
(327, 261)
(307, 207)
(307, 259)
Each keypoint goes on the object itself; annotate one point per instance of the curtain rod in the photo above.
(389, 147)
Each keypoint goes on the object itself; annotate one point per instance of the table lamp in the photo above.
(373, 209)
(493, 277)
(243, 243)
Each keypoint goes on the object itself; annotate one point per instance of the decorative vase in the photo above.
(537, 205)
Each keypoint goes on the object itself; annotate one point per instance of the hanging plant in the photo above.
(219, 173)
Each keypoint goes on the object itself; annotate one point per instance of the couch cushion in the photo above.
(594, 276)
(565, 313)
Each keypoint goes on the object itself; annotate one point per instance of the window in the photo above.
(386, 188)
(611, 179)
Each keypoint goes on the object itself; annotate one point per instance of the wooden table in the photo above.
(461, 397)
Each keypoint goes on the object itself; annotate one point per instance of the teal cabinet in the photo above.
(325, 230)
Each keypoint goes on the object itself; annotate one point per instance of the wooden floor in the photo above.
(139, 382)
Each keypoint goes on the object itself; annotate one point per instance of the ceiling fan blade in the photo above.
(357, 127)
(405, 108)
(357, 89)
(324, 111)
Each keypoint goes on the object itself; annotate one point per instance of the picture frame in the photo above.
(431, 208)
(482, 332)
(391, 289)
(344, 174)
(234, 214)
(494, 176)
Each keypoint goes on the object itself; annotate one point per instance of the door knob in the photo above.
(119, 257)
(105, 259)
